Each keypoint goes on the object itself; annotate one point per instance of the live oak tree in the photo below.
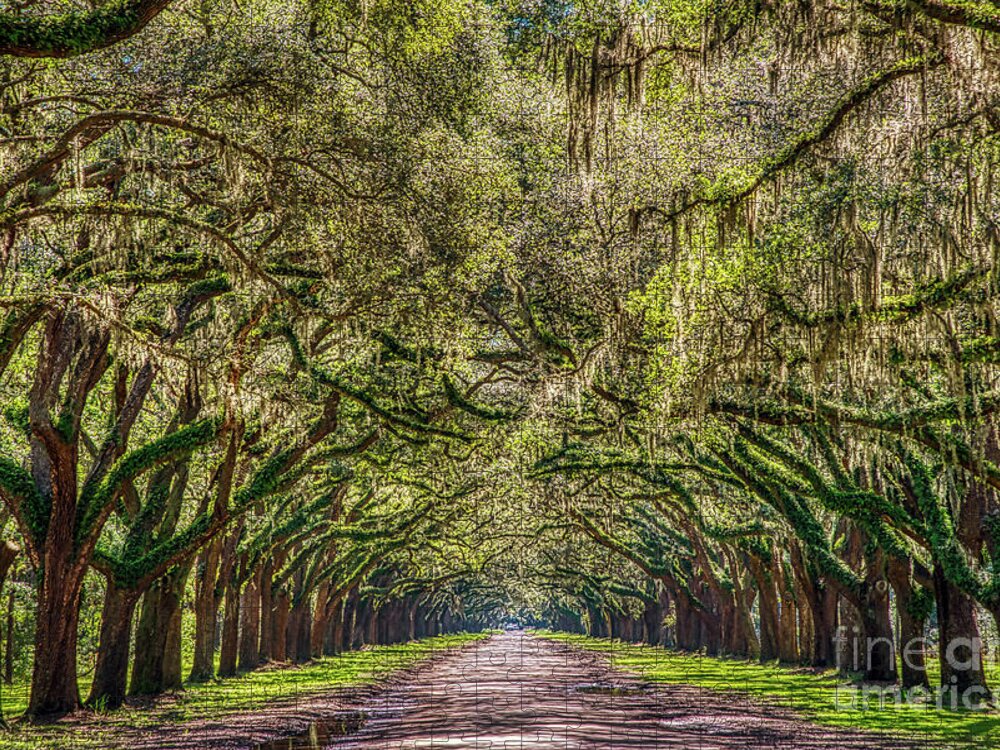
(801, 273)
(353, 322)
(161, 274)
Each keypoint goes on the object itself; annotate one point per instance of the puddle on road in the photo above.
(319, 734)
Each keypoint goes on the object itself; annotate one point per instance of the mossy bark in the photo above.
(279, 626)
(321, 620)
(298, 641)
(788, 647)
(8, 554)
(767, 609)
(335, 641)
(850, 643)
(111, 670)
(206, 612)
(54, 690)
(821, 607)
(411, 621)
(371, 634)
(879, 642)
(300, 631)
(347, 622)
(912, 621)
(960, 647)
(362, 624)
(229, 649)
(157, 664)
(215, 561)
(249, 639)
(8, 649)
(266, 611)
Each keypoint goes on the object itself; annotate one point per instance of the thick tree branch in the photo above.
(76, 32)
(724, 193)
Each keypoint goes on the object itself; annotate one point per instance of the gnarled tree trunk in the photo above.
(230, 631)
(960, 647)
(206, 611)
(249, 641)
(157, 664)
(111, 671)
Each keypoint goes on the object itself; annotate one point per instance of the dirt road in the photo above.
(514, 691)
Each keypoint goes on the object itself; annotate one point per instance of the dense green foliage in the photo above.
(348, 322)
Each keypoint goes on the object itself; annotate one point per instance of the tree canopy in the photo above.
(342, 321)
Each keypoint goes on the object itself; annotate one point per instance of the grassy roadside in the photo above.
(237, 695)
(819, 697)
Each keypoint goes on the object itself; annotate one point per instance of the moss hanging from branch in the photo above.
(727, 192)
(456, 399)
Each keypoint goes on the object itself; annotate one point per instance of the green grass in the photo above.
(813, 695)
(237, 695)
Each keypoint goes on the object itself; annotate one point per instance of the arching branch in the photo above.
(74, 33)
